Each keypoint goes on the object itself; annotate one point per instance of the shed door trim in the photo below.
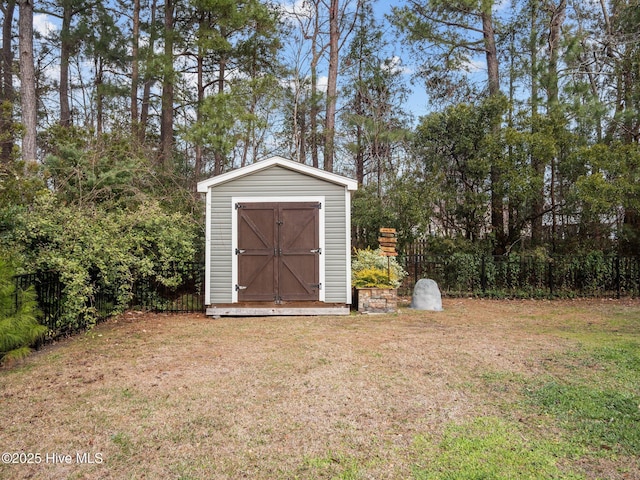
(234, 235)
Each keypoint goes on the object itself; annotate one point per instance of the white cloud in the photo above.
(304, 84)
(474, 65)
(501, 5)
(296, 9)
(322, 83)
(43, 25)
(394, 64)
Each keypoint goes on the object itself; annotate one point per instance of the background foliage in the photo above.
(538, 151)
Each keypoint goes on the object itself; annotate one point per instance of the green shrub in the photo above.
(371, 278)
(92, 248)
(370, 269)
(19, 328)
(463, 272)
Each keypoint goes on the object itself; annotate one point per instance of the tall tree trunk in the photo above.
(251, 142)
(314, 109)
(497, 194)
(218, 157)
(149, 80)
(65, 54)
(294, 146)
(27, 80)
(301, 115)
(491, 53)
(558, 14)
(359, 135)
(7, 93)
(358, 107)
(135, 69)
(553, 102)
(166, 121)
(99, 97)
(332, 87)
(200, 100)
(7, 51)
(513, 227)
(538, 164)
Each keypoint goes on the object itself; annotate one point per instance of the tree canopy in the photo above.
(529, 141)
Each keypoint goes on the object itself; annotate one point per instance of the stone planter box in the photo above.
(376, 300)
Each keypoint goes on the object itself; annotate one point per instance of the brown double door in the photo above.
(278, 251)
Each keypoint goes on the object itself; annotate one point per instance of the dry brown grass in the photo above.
(160, 396)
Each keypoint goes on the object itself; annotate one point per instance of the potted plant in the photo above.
(375, 279)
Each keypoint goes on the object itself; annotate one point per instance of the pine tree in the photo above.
(459, 30)
(374, 113)
(19, 328)
(27, 80)
(7, 125)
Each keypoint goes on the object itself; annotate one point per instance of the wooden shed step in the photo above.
(264, 309)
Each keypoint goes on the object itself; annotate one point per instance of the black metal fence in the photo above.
(49, 290)
(180, 291)
(591, 275)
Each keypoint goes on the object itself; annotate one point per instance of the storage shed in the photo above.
(278, 240)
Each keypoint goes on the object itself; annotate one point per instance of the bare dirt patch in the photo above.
(154, 396)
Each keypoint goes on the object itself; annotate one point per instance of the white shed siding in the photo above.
(220, 248)
(276, 181)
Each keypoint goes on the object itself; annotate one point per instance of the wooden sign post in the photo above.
(388, 241)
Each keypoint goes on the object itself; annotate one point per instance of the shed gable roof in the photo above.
(204, 185)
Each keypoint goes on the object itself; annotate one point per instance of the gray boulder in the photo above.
(426, 296)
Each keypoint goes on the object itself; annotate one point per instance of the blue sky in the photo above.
(417, 103)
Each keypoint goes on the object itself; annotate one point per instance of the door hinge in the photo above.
(238, 251)
(317, 285)
(240, 287)
(319, 206)
(316, 250)
(239, 205)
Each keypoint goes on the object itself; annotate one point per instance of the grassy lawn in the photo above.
(483, 390)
